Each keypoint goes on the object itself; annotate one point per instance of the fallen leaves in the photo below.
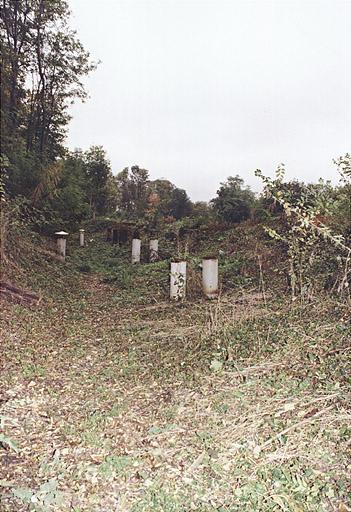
(118, 406)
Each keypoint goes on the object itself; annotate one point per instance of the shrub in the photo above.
(318, 257)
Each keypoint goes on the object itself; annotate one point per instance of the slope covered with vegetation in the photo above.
(115, 398)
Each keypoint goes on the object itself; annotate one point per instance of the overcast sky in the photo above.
(196, 90)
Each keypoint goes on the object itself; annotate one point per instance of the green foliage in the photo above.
(18, 219)
(232, 272)
(43, 499)
(121, 277)
(133, 191)
(307, 238)
(139, 198)
(43, 66)
(31, 371)
(98, 171)
(341, 207)
(115, 464)
(343, 164)
(234, 201)
(161, 192)
(139, 179)
(202, 212)
(70, 203)
(80, 192)
(99, 256)
(22, 171)
(180, 204)
(202, 390)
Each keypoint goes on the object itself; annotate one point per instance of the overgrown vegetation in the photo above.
(43, 69)
(319, 257)
(115, 398)
(115, 395)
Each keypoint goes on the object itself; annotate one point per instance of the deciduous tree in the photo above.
(234, 201)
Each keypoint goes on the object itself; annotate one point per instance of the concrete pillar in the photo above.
(153, 250)
(210, 277)
(136, 249)
(81, 237)
(61, 244)
(178, 280)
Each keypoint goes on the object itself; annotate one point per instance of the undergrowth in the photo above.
(117, 398)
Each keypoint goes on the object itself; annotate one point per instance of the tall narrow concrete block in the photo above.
(210, 277)
(153, 250)
(81, 237)
(61, 244)
(136, 250)
(178, 280)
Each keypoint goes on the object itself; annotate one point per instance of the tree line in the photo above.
(43, 66)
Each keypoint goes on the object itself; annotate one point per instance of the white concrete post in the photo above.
(81, 237)
(178, 280)
(210, 277)
(136, 249)
(61, 244)
(153, 250)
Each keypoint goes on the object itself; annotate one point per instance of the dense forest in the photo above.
(113, 397)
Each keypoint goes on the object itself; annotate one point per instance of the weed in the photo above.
(114, 464)
(31, 371)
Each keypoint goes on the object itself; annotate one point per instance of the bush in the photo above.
(318, 256)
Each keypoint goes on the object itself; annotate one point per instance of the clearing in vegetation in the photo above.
(115, 399)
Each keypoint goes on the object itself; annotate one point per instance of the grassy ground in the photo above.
(114, 399)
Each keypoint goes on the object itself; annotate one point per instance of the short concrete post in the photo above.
(210, 277)
(178, 280)
(153, 250)
(136, 249)
(81, 237)
(61, 244)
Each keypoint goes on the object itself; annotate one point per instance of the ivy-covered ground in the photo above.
(114, 399)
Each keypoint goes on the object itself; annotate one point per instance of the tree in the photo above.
(140, 197)
(134, 191)
(139, 186)
(342, 202)
(16, 50)
(124, 199)
(202, 211)
(180, 204)
(60, 62)
(70, 203)
(42, 69)
(113, 194)
(98, 173)
(164, 189)
(234, 201)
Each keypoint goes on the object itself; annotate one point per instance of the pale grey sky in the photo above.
(197, 90)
